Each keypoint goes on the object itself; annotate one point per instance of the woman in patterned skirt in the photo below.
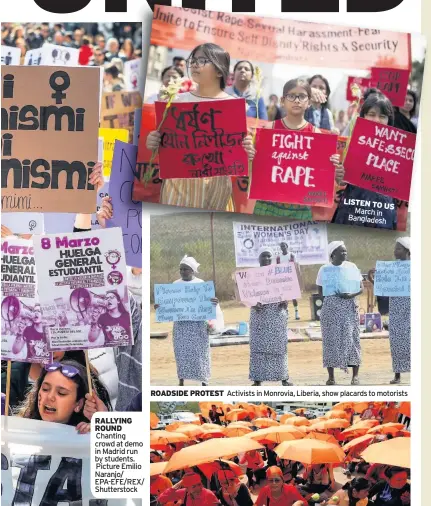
(191, 339)
(399, 319)
(268, 337)
(339, 318)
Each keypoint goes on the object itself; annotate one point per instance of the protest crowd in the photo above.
(245, 454)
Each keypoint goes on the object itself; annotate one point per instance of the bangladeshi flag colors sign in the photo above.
(392, 82)
(380, 159)
(294, 167)
(202, 139)
(362, 82)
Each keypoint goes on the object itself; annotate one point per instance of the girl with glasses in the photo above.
(295, 102)
(208, 66)
(277, 493)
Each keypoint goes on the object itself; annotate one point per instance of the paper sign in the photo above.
(268, 285)
(373, 322)
(83, 286)
(127, 212)
(202, 139)
(22, 330)
(23, 223)
(46, 168)
(132, 71)
(392, 279)
(340, 279)
(294, 167)
(110, 135)
(362, 82)
(185, 302)
(118, 110)
(307, 240)
(59, 55)
(392, 82)
(10, 55)
(33, 57)
(380, 158)
(45, 462)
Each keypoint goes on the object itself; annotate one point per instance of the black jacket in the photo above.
(243, 497)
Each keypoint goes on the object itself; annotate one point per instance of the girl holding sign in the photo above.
(399, 319)
(209, 68)
(268, 337)
(295, 101)
(339, 318)
(191, 339)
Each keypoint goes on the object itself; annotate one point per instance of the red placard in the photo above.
(392, 82)
(294, 167)
(380, 159)
(203, 139)
(362, 82)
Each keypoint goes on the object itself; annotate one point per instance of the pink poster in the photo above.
(268, 285)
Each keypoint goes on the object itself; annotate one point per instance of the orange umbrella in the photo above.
(337, 414)
(210, 426)
(174, 426)
(209, 451)
(238, 414)
(300, 411)
(262, 410)
(344, 405)
(210, 468)
(404, 433)
(265, 422)
(241, 423)
(329, 438)
(154, 420)
(405, 409)
(286, 416)
(157, 468)
(336, 423)
(213, 433)
(359, 441)
(310, 451)
(318, 419)
(163, 437)
(298, 420)
(237, 431)
(305, 429)
(393, 452)
(386, 428)
(353, 432)
(368, 424)
(276, 434)
(190, 430)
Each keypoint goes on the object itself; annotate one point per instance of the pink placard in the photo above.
(380, 158)
(268, 285)
(392, 82)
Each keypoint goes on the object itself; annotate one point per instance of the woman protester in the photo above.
(319, 114)
(191, 339)
(353, 493)
(399, 319)
(393, 490)
(277, 492)
(339, 318)
(232, 492)
(168, 73)
(60, 395)
(296, 99)
(404, 115)
(209, 69)
(255, 467)
(242, 87)
(189, 492)
(268, 337)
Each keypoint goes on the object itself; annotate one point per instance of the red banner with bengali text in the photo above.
(392, 82)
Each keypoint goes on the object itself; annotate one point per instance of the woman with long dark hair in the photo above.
(319, 114)
(353, 493)
(404, 115)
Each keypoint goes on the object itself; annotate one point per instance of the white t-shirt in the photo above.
(290, 257)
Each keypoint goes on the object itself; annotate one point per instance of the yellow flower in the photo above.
(356, 91)
(170, 91)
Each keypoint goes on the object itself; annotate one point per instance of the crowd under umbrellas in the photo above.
(357, 453)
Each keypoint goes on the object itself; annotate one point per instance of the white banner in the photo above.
(132, 70)
(307, 240)
(51, 54)
(10, 55)
(46, 463)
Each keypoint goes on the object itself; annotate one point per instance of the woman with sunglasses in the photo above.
(277, 492)
(209, 68)
(59, 395)
(295, 102)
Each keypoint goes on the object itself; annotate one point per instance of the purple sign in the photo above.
(127, 212)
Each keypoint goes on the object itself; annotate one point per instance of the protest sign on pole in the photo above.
(10, 55)
(127, 212)
(380, 158)
(343, 279)
(294, 168)
(307, 240)
(23, 223)
(132, 72)
(185, 302)
(45, 462)
(392, 279)
(109, 136)
(391, 82)
(202, 139)
(83, 287)
(362, 82)
(268, 285)
(48, 157)
(118, 110)
(22, 328)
